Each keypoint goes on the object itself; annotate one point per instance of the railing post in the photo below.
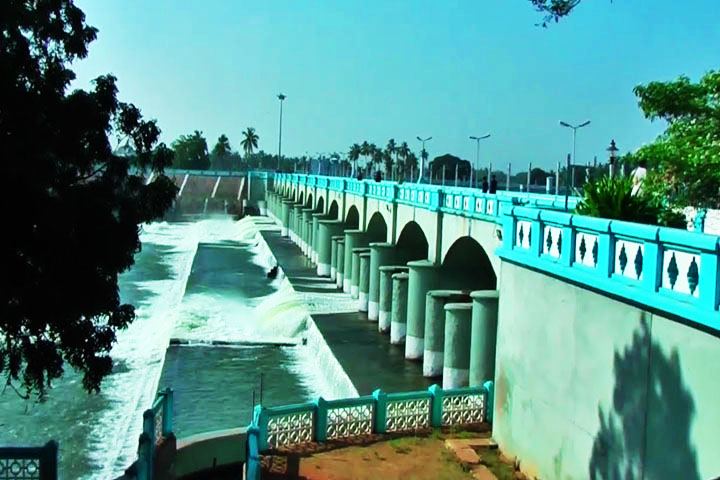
(489, 388)
(168, 404)
(260, 420)
(320, 427)
(380, 404)
(149, 431)
(436, 405)
(254, 469)
(48, 461)
(143, 466)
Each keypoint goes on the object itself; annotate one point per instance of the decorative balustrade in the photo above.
(323, 420)
(29, 463)
(455, 200)
(662, 268)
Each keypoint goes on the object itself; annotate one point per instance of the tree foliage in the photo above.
(74, 207)
(554, 10)
(249, 141)
(685, 160)
(191, 152)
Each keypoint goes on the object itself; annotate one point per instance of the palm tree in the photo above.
(365, 151)
(402, 152)
(377, 158)
(249, 141)
(390, 150)
(354, 155)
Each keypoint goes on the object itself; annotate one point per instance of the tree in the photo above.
(76, 227)
(221, 156)
(191, 152)
(554, 10)
(354, 155)
(684, 162)
(249, 141)
(390, 150)
(402, 152)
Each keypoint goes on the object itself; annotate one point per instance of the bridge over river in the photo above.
(600, 335)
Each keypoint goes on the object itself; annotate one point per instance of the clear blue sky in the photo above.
(375, 69)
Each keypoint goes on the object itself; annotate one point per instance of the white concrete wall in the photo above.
(586, 384)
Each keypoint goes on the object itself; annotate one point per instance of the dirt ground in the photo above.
(404, 458)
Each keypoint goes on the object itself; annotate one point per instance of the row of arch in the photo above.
(466, 262)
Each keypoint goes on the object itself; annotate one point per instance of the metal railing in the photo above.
(29, 463)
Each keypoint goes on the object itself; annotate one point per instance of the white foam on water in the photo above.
(113, 442)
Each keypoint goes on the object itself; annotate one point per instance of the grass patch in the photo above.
(404, 445)
(491, 459)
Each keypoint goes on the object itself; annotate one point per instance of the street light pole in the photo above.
(422, 158)
(574, 129)
(281, 97)
(477, 154)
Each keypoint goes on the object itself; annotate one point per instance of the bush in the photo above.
(612, 198)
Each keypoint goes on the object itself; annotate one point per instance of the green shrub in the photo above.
(612, 198)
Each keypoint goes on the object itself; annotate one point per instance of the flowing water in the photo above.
(197, 281)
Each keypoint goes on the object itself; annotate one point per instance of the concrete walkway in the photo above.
(366, 355)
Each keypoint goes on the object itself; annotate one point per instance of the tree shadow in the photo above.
(646, 433)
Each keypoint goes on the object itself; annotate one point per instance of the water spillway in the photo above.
(202, 283)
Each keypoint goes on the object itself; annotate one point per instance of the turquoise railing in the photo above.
(461, 201)
(326, 420)
(29, 463)
(157, 426)
(666, 269)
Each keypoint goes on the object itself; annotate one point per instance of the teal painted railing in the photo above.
(157, 426)
(29, 463)
(466, 202)
(324, 420)
(665, 269)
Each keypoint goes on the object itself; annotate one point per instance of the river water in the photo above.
(196, 281)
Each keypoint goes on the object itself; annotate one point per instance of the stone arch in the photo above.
(301, 197)
(412, 242)
(377, 229)
(352, 219)
(468, 265)
(334, 210)
(320, 207)
(309, 200)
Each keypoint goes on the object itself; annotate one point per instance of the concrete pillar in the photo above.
(364, 281)
(340, 262)
(385, 295)
(326, 230)
(355, 275)
(424, 276)
(333, 255)
(297, 222)
(483, 336)
(434, 334)
(380, 254)
(353, 239)
(285, 217)
(262, 207)
(456, 358)
(307, 229)
(398, 324)
(316, 217)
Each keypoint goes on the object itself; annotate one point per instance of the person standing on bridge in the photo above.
(484, 185)
(493, 185)
(638, 177)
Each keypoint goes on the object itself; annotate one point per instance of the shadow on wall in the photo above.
(646, 434)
